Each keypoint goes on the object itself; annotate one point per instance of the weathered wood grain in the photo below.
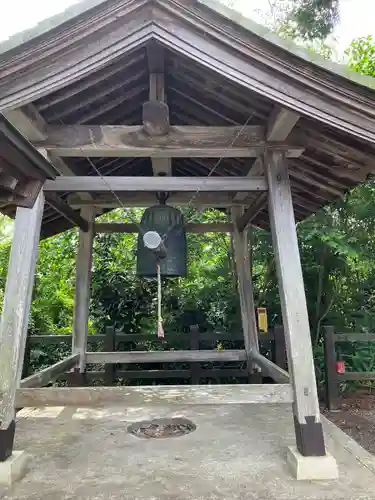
(133, 141)
(271, 369)
(155, 184)
(17, 302)
(165, 356)
(83, 288)
(50, 373)
(281, 123)
(291, 288)
(155, 118)
(245, 284)
(139, 396)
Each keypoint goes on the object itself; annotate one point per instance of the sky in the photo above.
(357, 16)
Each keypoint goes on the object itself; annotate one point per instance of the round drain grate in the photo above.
(162, 428)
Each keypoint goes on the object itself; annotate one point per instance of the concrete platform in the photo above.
(236, 452)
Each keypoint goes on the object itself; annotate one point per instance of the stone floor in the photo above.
(236, 452)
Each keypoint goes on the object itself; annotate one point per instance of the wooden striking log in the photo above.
(156, 184)
(51, 373)
(139, 396)
(165, 356)
(181, 142)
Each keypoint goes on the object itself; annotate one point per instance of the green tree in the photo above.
(361, 55)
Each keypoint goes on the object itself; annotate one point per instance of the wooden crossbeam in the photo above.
(66, 211)
(278, 374)
(180, 142)
(218, 200)
(155, 184)
(118, 227)
(281, 123)
(165, 356)
(254, 209)
(32, 125)
(50, 373)
(139, 396)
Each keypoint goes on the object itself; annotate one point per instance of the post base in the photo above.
(311, 468)
(76, 378)
(14, 468)
(6, 441)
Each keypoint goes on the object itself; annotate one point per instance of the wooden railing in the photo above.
(332, 376)
(272, 342)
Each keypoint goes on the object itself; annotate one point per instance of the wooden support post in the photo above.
(245, 285)
(26, 359)
(82, 294)
(15, 317)
(332, 386)
(195, 367)
(110, 346)
(308, 427)
(279, 346)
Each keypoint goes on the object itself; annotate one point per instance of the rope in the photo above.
(212, 170)
(160, 319)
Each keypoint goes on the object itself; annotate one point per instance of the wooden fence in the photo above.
(272, 343)
(332, 377)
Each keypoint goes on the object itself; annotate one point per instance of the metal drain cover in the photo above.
(161, 428)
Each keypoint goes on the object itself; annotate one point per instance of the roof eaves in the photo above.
(288, 45)
(18, 39)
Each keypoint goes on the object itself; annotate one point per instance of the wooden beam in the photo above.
(155, 395)
(201, 200)
(155, 184)
(66, 211)
(28, 121)
(252, 212)
(165, 356)
(49, 374)
(17, 302)
(309, 432)
(155, 57)
(280, 124)
(83, 288)
(32, 125)
(278, 374)
(118, 227)
(181, 142)
(245, 284)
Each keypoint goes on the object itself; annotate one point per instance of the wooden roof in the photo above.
(91, 66)
(23, 170)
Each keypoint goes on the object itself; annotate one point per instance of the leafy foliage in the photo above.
(361, 55)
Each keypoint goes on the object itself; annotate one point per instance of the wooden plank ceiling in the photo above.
(332, 162)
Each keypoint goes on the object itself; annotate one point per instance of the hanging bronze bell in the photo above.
(168, 222)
